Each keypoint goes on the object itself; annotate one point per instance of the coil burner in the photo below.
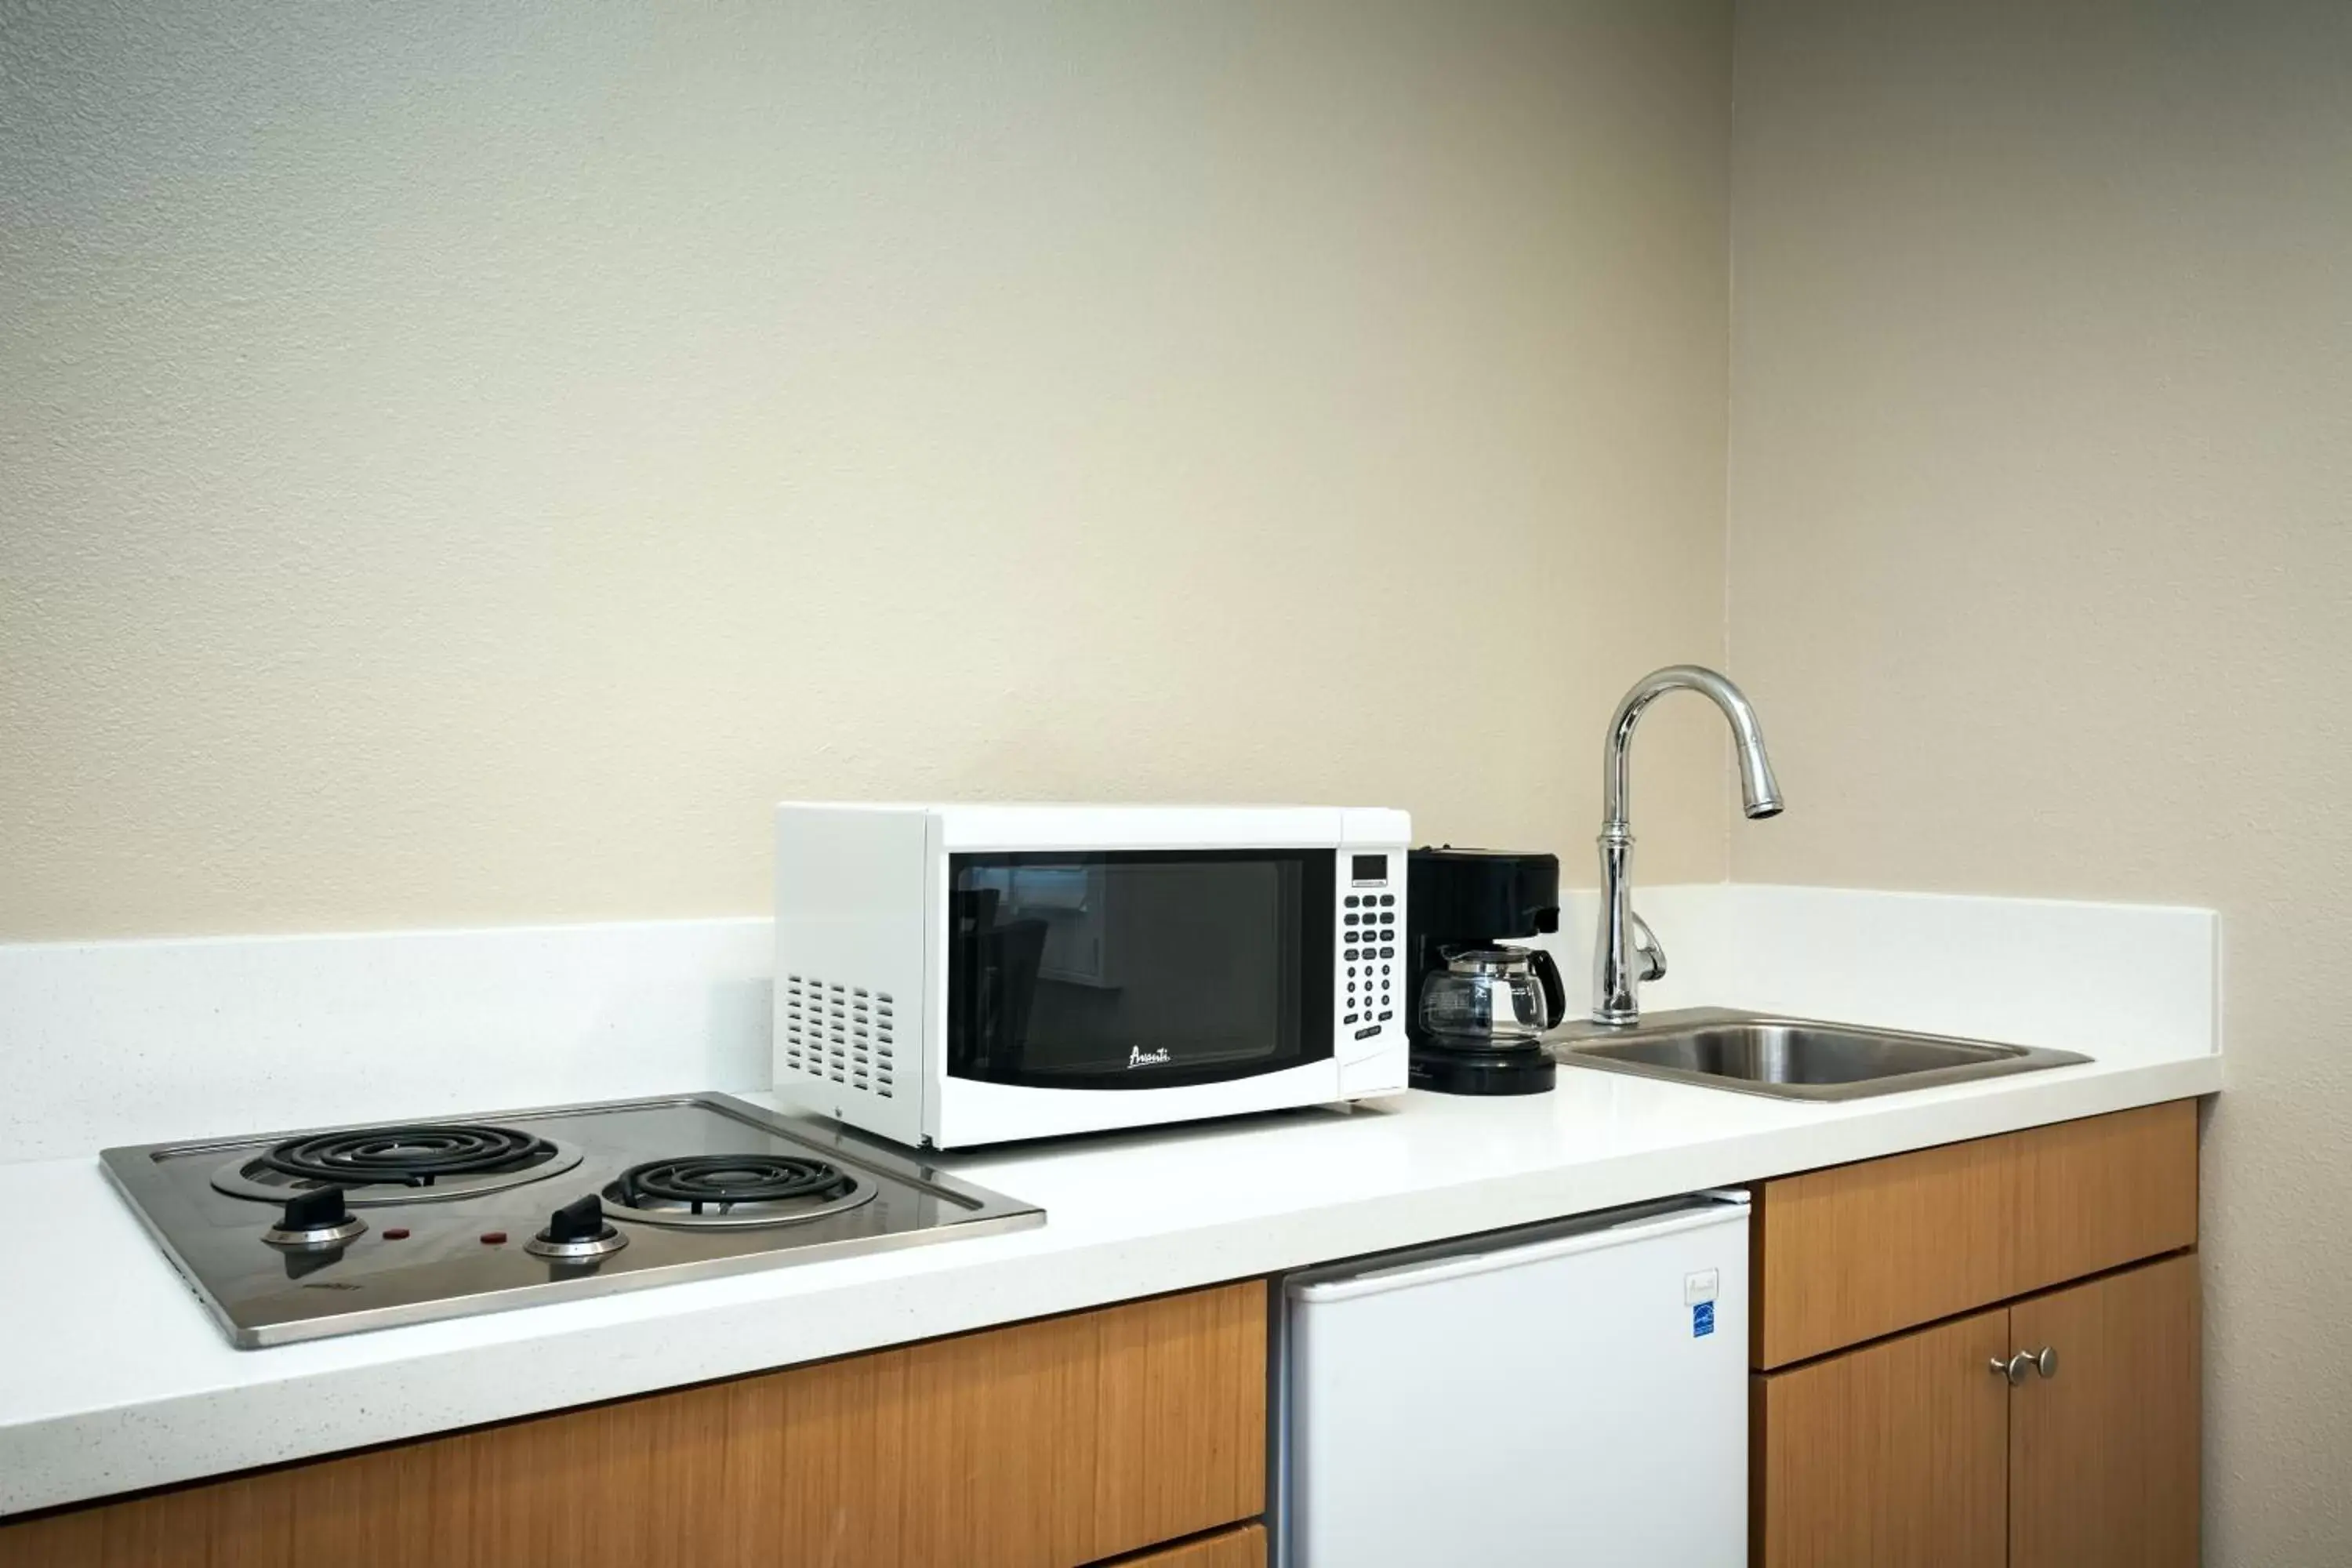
(400, 1165)
(732, 1191)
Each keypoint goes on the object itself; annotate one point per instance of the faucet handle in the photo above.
(1646, 943)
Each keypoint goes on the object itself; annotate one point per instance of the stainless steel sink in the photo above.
(1791, 1058)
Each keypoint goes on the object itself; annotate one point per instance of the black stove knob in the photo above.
(315, 1220)
(320, 1208)
(577, 1235)
(583, 1219)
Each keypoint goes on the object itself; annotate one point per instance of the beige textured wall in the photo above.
(461, 463)
(2040, 557)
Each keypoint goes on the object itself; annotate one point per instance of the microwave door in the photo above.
(1142, 969)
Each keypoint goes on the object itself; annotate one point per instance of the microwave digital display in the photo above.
(1138, 969)
(1368, 868)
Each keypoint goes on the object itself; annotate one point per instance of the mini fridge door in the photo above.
(1570, 1394)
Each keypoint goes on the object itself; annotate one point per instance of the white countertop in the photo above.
(116, 1379)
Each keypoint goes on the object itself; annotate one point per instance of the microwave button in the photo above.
(1350, 955)
(1348, 1019)
(1349, 921)
(1353, 900)
(1388, 900)
(1387, 953)
(1368, 1031)
(1386, 1016)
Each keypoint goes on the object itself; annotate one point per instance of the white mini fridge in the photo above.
(1569, 1394)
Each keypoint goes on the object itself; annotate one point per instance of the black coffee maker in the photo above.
(1488, 1001)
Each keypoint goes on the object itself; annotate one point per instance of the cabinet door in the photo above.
(1893, 1453)
(2104, 1452)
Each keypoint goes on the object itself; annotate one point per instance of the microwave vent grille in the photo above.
(840, 1033)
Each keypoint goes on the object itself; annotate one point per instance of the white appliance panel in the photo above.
(1569, 1394)
(852, 966)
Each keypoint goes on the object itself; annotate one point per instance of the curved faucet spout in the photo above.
(1760, 789)
(1613, 980)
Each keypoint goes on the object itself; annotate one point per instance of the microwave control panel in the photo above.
(1371, 942)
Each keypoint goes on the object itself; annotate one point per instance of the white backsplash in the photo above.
(133, 1042)
(2115, 979)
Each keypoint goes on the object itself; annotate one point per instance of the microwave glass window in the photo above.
(1137, 970)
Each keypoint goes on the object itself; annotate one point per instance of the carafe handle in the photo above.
(1555, 994)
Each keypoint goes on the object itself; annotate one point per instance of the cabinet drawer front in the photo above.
(2097, 1195)
(1854, 1252)
(1038, 1446)
(1894, 1455)
(1242, 1548)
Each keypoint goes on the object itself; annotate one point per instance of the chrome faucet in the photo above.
(1614, 996)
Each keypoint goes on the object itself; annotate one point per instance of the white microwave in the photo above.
(949, 975)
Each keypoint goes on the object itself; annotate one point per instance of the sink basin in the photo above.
(1791, 1058)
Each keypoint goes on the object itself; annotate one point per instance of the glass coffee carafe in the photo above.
(1500, 998)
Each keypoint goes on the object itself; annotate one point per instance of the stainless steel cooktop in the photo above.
(298, 1235)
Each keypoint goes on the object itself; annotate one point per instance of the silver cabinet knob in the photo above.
(2045, 1360)
(2014, 1368)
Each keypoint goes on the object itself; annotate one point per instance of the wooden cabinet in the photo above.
(1055, 1442)
(1880, 1450)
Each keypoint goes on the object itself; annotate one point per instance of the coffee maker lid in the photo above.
(1476, 894)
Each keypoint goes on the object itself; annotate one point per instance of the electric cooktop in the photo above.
(298, 1235)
